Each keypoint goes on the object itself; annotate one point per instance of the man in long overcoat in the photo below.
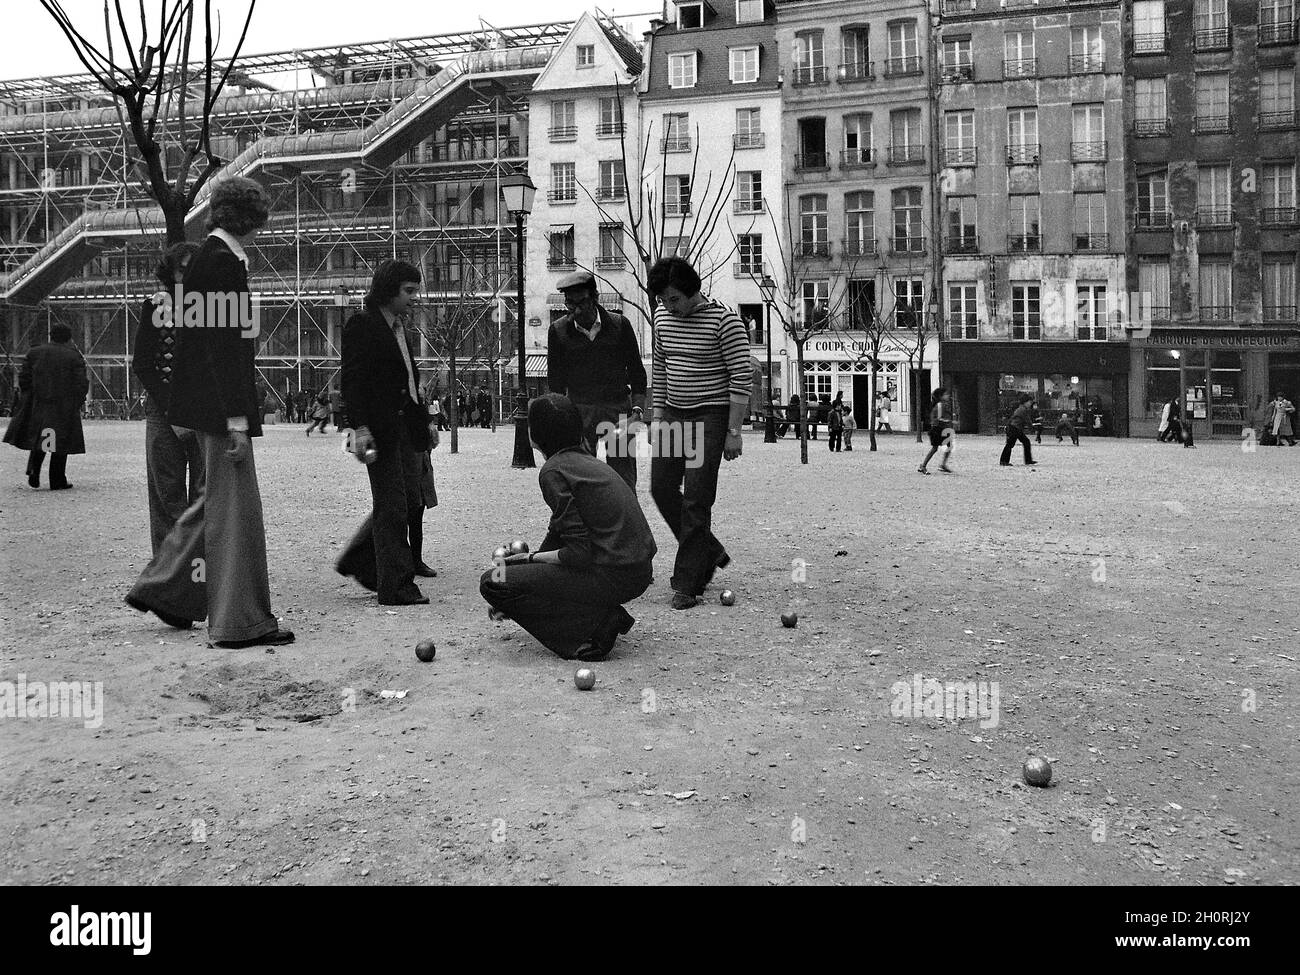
(53, 384)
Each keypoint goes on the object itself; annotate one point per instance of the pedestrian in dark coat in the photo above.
(53, 384)
(1021, 420)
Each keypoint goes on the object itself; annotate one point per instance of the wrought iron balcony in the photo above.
(961, 156)
(1025, 243)
(1280, 313)
(679, 209)
(608, 194)
(1148, 128)
(858, 71)
(1088, 151)
(959, 71)
(897, 67)
(1085, 243)
(750, 269)
(1087, 63)
(565, 194)
(1213, 123)
(1020, 68)
(1212, 38)
(1279, 216)
(561, 261)
(812, 160)
(675, 143)
(1216, 313)
(1214, 216)
(1150, 42)
(809, 74)
(611, 262)
(857, 158)
(750, 205)
(962, 244)
(750, 140)
(562, 133)
(607, 129)
(1153, 219)
(813, 248)
(1279, 120)
(859, 246)
(1284, 33)
(906, 155)
(1025, 154)
(903, 245)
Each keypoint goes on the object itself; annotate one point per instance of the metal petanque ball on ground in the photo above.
(1037, 771)
(790, 620)
(727, 598)
(518, 547)
(499, 553)
(425, 651)
(584, 678)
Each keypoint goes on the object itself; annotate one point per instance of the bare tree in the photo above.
(151, 91)
(804, 312)
(645, 217)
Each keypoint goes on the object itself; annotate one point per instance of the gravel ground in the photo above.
(1131, 604)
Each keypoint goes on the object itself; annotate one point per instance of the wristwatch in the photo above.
(733, 431)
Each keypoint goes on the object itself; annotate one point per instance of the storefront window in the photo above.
(1226, 390)
(1163, 380)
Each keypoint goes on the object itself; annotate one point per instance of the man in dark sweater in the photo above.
(593, 358)
(1021, 420)
(598, 551)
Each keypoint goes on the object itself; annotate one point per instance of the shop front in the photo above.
(1086, 382)
(1221, 379)
(839, 364)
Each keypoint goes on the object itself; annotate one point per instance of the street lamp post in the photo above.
(518, 190)
(768, 287)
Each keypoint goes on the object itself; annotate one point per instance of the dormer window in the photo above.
(749, 11)
(690, 16)
(586, 55)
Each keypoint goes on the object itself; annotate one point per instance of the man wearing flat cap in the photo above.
(593, 358)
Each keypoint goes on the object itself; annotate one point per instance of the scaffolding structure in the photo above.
(374, 150)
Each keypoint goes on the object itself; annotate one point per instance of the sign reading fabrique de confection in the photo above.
(1224, 339)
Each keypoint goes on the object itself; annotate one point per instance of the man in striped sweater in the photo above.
(701, 381)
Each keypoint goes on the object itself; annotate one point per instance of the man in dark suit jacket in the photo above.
(391, 428)
(213, 562)
(593, 358)
(53, 384)
(169, 451)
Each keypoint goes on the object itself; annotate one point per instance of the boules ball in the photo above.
(425, 650)
(518, 547)
(584, 678)
(369, 455)
(1037, 771)
(499, 553)
(728, 598)
(790, 620)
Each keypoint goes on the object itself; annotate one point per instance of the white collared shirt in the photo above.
(399, 333)
(231, 241)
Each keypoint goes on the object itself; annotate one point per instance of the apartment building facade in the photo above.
(710, 128)
(1212, 190)
(584, 120)
(858, 196)
(1031, 115)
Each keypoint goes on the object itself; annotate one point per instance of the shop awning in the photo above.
(534, 364)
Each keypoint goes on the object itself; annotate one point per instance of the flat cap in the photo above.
(577, 279)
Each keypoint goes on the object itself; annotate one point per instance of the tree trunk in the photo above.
(916, 392)
(452, 405)
(174, 215)
(875, 398)
(803, 404)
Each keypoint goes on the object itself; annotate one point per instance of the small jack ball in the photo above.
(728, 598)
(425, 650)
(1038, 771)
(499, 553)
(789, 620)
(518, 547)
(584, 678)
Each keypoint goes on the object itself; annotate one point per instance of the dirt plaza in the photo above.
(1125, 609)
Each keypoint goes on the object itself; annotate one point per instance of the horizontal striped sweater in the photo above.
(701, 359)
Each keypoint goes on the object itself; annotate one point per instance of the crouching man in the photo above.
(597, 553)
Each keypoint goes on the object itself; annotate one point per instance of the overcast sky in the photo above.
(31, 44)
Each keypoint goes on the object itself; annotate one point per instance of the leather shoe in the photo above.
(276, 638)
(602, 641)
(34, 480)
(423, 570)
(683, 601)
(60, 487)
(175, 622)
(412, 597)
